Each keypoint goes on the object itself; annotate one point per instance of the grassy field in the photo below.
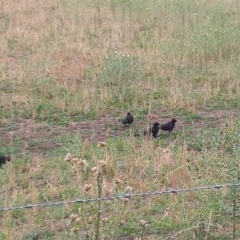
(70, 70)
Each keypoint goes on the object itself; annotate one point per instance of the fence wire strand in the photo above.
(127, 195)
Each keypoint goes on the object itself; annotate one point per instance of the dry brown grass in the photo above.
(61, 41)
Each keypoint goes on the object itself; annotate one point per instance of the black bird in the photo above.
(153, 130)
(128, 119)
(4, 159)
(169, 126)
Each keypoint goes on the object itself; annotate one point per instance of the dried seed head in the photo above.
(74, 168)
(118, 181)
(73, 216)
(90, 220)
(143, 223)
(129, 189)
(95, 170)
(109, 191)
(102, 144)
(68, 157)
(122, 222)
(87, 187)
(82, 162)
(75, 160)
(125, 200)
(74, 229)
(103, 163)
(105, 220)
(77, 220)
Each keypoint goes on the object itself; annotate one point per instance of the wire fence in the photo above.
(127, 195)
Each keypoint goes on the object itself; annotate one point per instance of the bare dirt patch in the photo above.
(40, 137)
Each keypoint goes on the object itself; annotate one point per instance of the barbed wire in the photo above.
(127, 195)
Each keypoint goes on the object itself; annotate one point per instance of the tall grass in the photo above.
(54, 51)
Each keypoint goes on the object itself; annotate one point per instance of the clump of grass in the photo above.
(37, 234)
(121, 75)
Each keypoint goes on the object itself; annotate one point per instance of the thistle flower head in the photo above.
(73, 216)
(68, 157)
(103, 163)
(102, 144)
(109, 191)
(129, 189)
(74, 230)
(81, 162)
(125, 200)
(118, 181)
(95, 170)
(87, 187)
(143, 223)
(122, 222)
(106, 219)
